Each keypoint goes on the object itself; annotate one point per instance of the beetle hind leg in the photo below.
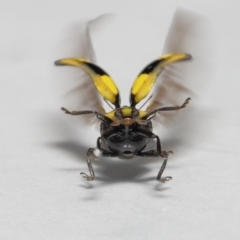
(165, 156)
(91, 155)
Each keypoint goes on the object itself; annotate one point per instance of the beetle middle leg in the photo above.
(90, 156)
(164, 155)
(158, 153)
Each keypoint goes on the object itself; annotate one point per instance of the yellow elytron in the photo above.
(126, 131)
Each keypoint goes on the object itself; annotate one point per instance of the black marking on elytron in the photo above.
(132, 101)
(96, 69)
(118, 101)
(101, 72)
(149, 68)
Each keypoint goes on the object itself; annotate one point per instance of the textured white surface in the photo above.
(42, 195)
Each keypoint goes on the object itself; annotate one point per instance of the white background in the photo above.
(42, 151)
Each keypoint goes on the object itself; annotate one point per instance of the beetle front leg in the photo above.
(76, 112)
(152, 114)
(90, 156)
(186, 102)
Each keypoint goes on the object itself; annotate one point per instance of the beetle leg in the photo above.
(187, 101)
(158, 144)
(165, 156)
(90, 156)
(76, 112)
(100, 116)
(152, 114)
(99, 143)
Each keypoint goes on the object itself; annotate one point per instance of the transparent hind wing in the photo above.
(188, 32)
